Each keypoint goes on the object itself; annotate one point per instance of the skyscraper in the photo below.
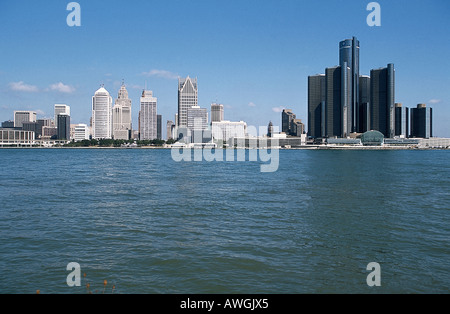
(217, 113)
(349, 54)
(197, 123)
(187, 98)
(63, 129)
(61, 109)
(401, 121)
(382, 100)
(364, 104)
(23, 116)
(122, 122)
(422, 121)
(170, 129)
(159, 127)
(287, 116)
(102, 115)
(316, 105)
(338, 101)
(148, 128)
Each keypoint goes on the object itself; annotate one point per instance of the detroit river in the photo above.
(148, 224)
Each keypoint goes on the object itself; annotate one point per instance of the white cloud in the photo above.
(162, 74)
(62, 88)
(251, 104)
(278, 109)
(40, 113)
(434, 101)
(22, 87)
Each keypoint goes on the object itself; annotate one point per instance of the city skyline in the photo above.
(275, 53)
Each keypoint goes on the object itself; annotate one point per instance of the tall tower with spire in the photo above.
(187, 98)
(122, 122)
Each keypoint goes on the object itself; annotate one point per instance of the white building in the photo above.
(61, 109)
(23, 116)
(122, 124)
(197, 118)
(81, 132)
(148, 126)
(217, 113)
(187, 98)
(226, 130)
(102, 115)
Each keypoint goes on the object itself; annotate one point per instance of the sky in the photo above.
(253, 56)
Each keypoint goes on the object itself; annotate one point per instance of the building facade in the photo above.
(382, 100)
(61, 109)
(122, 122)
(63, 129)
(23, 116)
(226, 130)
(101, 115)
(217, 112)
(81, 132)
(148, 124)
(349, 57)
(401, 121)
(422, 122)
(187, 98)
(316, 105)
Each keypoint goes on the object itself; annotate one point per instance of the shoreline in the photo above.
(311, 147)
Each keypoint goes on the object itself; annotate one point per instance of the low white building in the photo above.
(81, 132)
(225, 130)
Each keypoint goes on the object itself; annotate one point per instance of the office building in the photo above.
(101, 115)
(316, 106)
(197, 123)
(217, 113)
(122, 122)
(364, 104)
(187, 98)
(81, 132)
(61, 109)
(338, 113)
(148, 124)
(63, 129)
(159, 127)
(287, 116)
(422, 122)
(170, 129)
(297, 128)
(14, 137)
(226, 130)
(349, 57)
(401, 121)
(23, 116)
(8, 124)
(382, 100)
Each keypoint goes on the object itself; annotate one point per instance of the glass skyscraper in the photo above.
(316, 106)
(422, 121)
(349, 54)
(382, 100)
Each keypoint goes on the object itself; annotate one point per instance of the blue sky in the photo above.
(254, 56)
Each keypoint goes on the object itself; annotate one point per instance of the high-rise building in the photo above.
(382, 100)
(148, 124)
(122, 122)
(197, 123)
(364, 104)
(170, 130)
(422, 121)
(23, 116)
(297, 128)
(401, 121)
(63, 129)
(349, 55)
(159, 127)
(8, 124)
(287, 116)
(316, 106)
(101, 115)
(338, 101)
(217, 113)
(61, 109)
(187, 98)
